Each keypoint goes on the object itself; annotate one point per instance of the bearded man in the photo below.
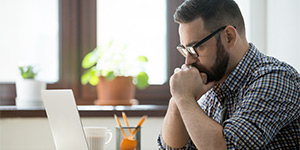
(228, 95)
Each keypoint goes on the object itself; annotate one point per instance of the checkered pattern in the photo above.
(262, 96)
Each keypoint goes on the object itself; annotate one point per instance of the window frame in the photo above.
(77, 36)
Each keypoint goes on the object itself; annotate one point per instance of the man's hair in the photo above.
(215, 14)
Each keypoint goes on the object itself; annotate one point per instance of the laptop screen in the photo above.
(64, 120)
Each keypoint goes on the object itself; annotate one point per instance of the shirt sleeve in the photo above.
(163, 146)
(269, 104)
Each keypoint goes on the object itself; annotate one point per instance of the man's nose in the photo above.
(189, 60)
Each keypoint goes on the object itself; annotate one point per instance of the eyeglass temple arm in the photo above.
(212, 34)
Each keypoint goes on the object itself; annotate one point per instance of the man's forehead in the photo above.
(191, 32)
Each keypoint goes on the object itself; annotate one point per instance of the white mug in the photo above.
(96, 137)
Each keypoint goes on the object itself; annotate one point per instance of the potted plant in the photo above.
(116, 72)
(28, 88)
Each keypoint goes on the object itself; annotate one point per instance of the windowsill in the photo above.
(89, 111)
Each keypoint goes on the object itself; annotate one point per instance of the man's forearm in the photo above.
(173, 130)
(205, 132)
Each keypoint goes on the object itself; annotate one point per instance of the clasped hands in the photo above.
(187, 82)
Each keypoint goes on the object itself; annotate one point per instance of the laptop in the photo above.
(64, 120)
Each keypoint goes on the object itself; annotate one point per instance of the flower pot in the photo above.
(119, 91)
(29, 93)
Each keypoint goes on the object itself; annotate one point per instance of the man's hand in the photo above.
(188, 82)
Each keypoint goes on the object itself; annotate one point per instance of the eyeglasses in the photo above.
(191, 49)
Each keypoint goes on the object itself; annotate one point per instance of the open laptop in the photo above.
(64, 120)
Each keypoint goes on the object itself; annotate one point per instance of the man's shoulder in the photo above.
(265, 65)
(265, 71)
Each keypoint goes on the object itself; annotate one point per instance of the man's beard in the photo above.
(217, 71)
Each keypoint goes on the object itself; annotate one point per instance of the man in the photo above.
(247, 100)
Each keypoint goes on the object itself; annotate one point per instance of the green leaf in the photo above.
(86, 77)
(142, 80)
(94, 80)
(110, 43)
(27, 72)
(142, 59)
(87, 61)
(108, 74)
(22, 72)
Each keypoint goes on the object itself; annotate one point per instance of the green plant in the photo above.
(27, 72)
(113, 61)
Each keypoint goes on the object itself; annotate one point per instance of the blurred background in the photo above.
(54, 36)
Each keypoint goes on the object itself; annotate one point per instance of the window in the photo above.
(28, 37)
(140, 28)
(78, 35)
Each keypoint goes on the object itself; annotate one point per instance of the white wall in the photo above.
(274, 27)
(35, 133)
(283, 30)
(257, 24)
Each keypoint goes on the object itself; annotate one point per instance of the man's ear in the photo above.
(231, 36)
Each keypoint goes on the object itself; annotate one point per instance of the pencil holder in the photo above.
(120, 137)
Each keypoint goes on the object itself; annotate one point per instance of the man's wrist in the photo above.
(184, 99)
(173, 107)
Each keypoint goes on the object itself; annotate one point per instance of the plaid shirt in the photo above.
(262, 100)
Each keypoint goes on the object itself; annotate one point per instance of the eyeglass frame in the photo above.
(191, 49)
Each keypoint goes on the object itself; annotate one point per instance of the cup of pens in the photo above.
(120, 138)
(128, 137)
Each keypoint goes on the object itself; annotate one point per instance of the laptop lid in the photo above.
(64, 120)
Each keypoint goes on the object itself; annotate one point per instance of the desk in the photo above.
(29, 128)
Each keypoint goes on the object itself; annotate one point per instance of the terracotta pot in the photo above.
(119, 91)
